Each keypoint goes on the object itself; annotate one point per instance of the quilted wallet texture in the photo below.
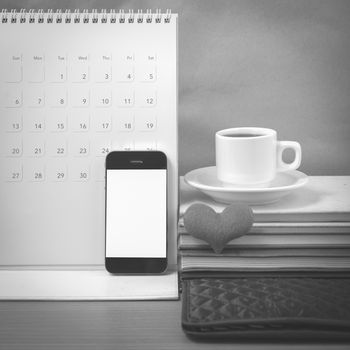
(271, 307)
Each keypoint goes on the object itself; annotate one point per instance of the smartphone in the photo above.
(136, 212)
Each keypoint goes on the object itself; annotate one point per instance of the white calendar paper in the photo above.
(73, 87)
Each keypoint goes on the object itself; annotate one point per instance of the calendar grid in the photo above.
(70, 93)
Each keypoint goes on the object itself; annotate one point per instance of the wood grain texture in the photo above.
(107, 325)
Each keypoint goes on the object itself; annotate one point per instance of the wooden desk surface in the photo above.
(107, 325)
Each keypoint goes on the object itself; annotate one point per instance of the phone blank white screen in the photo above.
(136, 213)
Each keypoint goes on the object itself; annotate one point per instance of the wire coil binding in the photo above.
(86, 16)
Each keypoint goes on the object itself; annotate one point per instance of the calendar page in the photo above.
(73, 88)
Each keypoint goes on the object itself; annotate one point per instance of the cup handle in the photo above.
(281, 146)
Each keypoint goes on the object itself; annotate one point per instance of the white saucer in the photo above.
(205, 180)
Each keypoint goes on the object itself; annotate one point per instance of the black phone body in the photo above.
(136, 215)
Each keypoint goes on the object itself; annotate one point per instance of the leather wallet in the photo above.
(255, 307)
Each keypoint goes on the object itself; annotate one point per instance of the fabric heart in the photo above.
(217, 229)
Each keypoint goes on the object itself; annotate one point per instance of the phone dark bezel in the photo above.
(136, 160)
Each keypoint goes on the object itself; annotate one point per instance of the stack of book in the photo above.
(309, 230)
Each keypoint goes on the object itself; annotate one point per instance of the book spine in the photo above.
(273, 241)
(292, 229)
(268, 252)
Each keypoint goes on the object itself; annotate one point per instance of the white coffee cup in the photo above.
(252, 156)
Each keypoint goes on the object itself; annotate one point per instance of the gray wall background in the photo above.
(279, 64)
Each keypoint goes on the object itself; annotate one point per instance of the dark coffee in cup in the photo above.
(252, 156)
(243, 135)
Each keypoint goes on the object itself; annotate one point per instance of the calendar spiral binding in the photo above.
(85, 16)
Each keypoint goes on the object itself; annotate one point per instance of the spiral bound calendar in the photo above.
(74, 86)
